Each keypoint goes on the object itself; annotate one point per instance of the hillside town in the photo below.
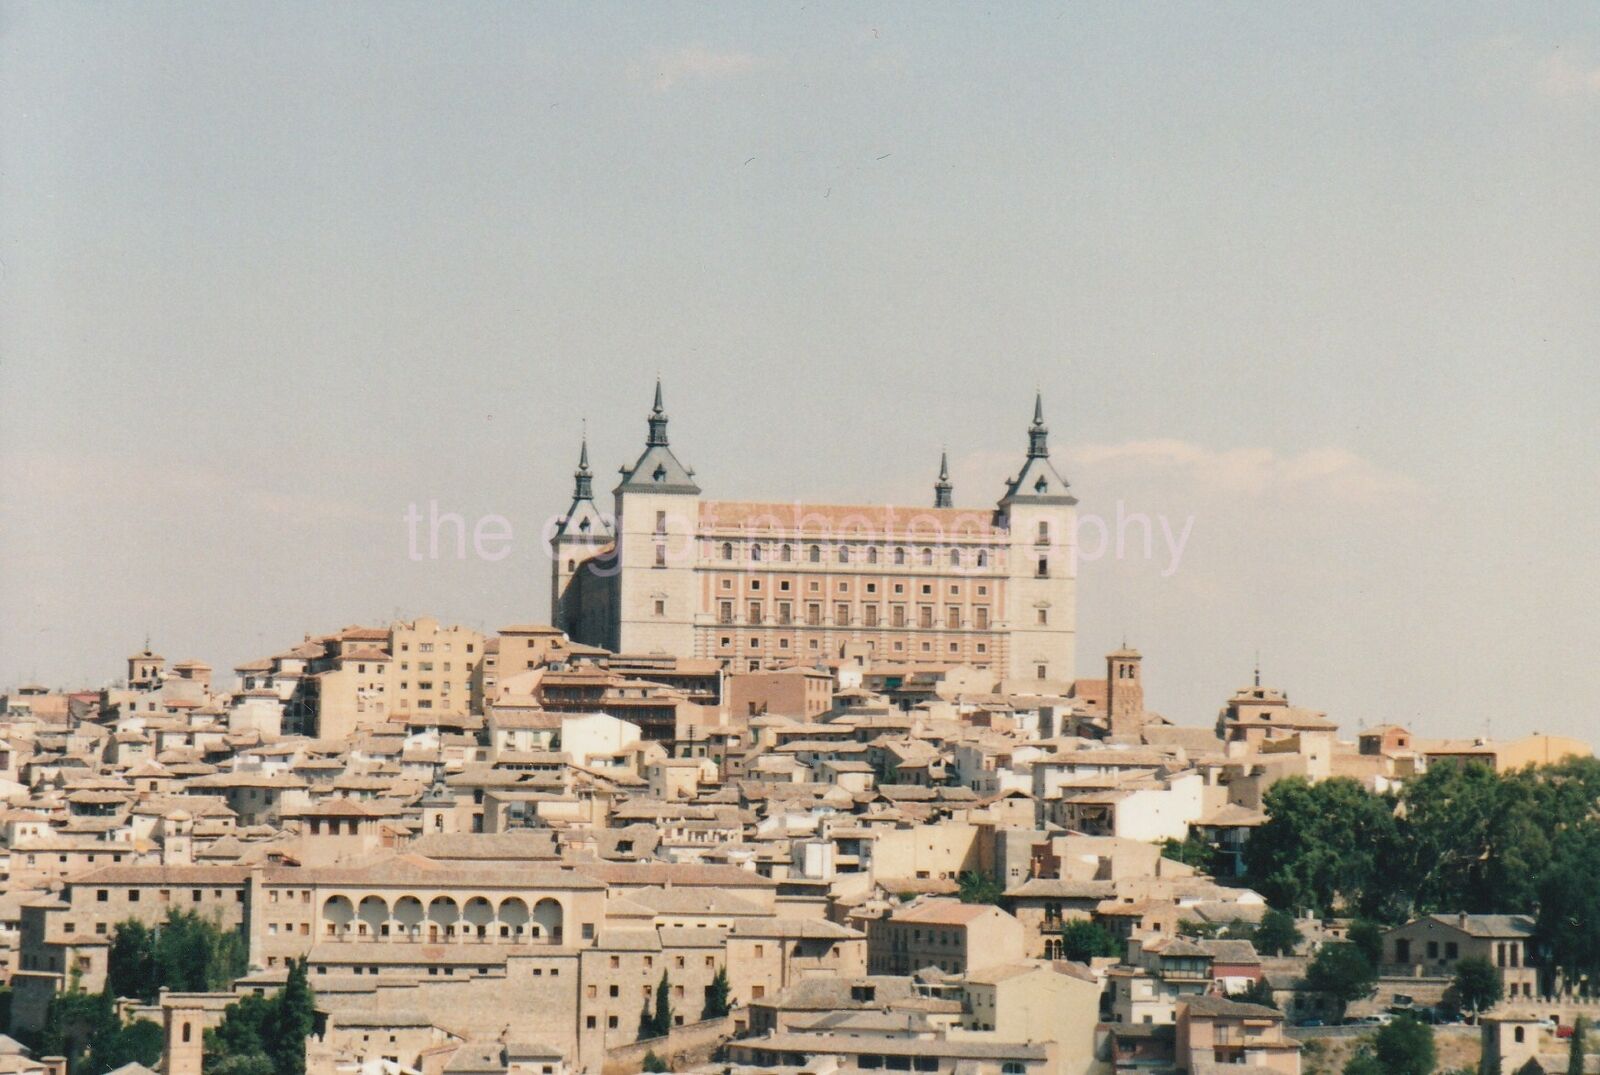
(813, 792)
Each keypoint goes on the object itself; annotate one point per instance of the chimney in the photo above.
(1461, 919)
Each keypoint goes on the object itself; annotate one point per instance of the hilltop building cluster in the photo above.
(828, 786)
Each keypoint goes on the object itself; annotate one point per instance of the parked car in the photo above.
(1310, 1023)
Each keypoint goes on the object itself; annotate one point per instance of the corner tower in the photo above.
(658, 518)
(581, 536)
(1041, 588)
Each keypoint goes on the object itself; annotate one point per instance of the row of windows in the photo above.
(844, 554)
(844, 613)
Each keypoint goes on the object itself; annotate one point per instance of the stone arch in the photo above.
(478, 914)
(338, 912)
(547, 919)
(409, 914)
(373, 914)
(443, 914)
(513, 917)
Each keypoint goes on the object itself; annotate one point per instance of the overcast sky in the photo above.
(1325, 278)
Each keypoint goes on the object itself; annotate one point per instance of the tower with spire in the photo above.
(658, 519)
(581, 536)
(1037, 512)
(942, 488)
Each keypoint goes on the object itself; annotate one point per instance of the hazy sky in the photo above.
(1324, 277)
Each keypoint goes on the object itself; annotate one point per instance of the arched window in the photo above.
(814, 554)
(900, 556)
(927, 557)
(727, 550)
(955, 557)
(755, 552)
(983, 558)
(187, 1030)
(1517, 1034)
(872, 554)
(785, 553)
(844, 554)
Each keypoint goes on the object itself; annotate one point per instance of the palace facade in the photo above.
(760, 585)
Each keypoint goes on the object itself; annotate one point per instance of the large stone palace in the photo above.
(761, 585)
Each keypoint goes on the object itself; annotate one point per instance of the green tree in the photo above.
(647, 1023)
(1322, 845)
(130, 962)
(1575, 1046)
(1405, 1047)
(980, 888)
(1477, 985)
(1277, 935)
(1083, 940)
(663, 1015)
(265, 1035)
(1362, 1062)
(1568, 924)
(74, 1021)
(1193, 850)
(139, 1041)
(294, 1016)
(654, 1064)
(1342, 973)
(717, 996)
(1367, 935)
(1258, 992)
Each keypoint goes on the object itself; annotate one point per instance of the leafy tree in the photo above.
(1193, 850)
(1342, 973)
(1475, 841)
(654, 1064)
(74, 1021)
(264, 1035)
(1083, 940)
(1477, 985)
(130, 962)
(5, 1009)
(663, 1016)
(1405, 1047)
(1277, 935)
(137, 1042)
(647, 1022)
(1568, 924)
(1323, 844)
(1367, 935)
(1204, 931)
(1257, 992)
(293, 1018)
(1575, 1046)
(717, 996)
(1362, 1062)
(980, 888)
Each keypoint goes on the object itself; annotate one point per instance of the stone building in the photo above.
(764, 585)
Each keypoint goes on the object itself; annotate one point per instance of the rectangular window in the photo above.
(871, 613)
(785, 613)
(755, 612)
(1042, 616)
(841, 614)
(813, 614)
(661, 607)
(724, 611)
(661, 556)
(952, 616)
(925, 616)
(897, 615)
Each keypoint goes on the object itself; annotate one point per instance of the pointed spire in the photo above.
(1258, 668)
(658, 421)
(942, 487)
(583, 483)
(1038, 432)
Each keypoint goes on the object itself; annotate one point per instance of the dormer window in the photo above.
(660, 473)
(1041, 485)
